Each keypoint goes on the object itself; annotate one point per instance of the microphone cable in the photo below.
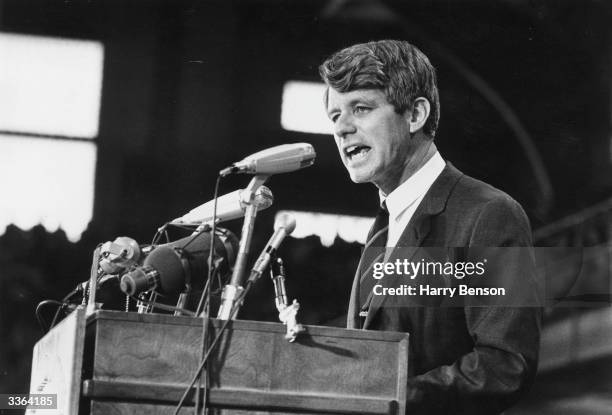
(203, 307)
(60, 305)
(64, 302)
(204, 303)
(201, 393)
(212, 346)
(206, 293)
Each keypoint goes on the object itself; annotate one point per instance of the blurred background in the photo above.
(115, 117)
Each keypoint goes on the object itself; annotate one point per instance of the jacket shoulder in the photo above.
(487, 215)
(473, 194)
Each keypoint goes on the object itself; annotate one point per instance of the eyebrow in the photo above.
(352, 102)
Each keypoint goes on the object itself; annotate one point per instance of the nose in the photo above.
(344, 125)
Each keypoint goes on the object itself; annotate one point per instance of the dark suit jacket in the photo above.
(463, 360)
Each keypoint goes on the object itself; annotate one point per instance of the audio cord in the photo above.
(233, 311)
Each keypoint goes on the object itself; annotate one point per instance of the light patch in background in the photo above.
(45, 181)
(50, 86)
(302, 108)
(327, 226)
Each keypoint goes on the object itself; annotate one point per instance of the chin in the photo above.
(359, 178)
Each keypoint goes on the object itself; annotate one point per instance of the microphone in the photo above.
(280, 159)
(287, 314)
(230, 206)
(119, 255)
(283, 226)
(169, 268)
(277, 273)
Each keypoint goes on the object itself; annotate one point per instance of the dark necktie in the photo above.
(381, 222)
(374, 252)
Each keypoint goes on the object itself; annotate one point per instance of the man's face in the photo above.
(373, 140)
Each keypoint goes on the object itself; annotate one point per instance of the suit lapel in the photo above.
(353, 319)
(419, 227)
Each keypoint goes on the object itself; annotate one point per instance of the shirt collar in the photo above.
(414, 187)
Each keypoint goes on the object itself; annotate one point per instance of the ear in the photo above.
(419, 115)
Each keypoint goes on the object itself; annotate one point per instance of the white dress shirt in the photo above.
(404, 200)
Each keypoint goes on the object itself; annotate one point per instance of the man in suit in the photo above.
(382, 98)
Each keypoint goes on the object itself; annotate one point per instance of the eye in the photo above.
(360, 109)
(333, 117)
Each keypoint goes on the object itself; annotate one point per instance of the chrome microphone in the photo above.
(275, 160)
(230, 206)
(283, 226)
(277, 273)
(119, 255)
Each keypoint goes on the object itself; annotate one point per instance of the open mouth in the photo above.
(356, 152)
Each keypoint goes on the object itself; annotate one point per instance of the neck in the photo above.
(421, 156)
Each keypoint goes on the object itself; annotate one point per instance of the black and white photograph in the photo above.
(306, 207)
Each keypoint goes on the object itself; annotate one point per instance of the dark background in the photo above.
(191, 86)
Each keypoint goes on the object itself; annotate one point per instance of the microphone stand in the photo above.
(93, 282)
(232, 290)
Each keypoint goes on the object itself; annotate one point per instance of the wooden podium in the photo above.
(129, 363)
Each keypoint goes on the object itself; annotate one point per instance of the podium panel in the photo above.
(56, 365)
(142, 363)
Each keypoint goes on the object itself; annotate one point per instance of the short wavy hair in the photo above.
(398, 68)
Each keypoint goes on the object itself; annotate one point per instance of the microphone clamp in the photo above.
(228, 170)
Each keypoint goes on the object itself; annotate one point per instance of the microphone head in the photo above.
(229, 206)
(304, 150)
(285, 220)
(167, 262)
(119, 255)
(284, 158)
(136, 281)
(263, 198)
